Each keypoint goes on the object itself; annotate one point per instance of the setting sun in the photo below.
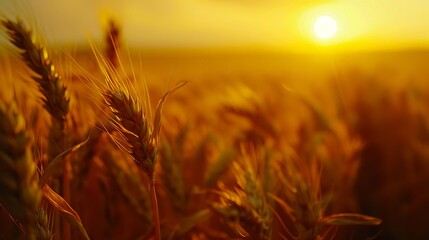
(325, 27)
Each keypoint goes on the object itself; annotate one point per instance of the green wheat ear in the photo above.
(43, 230)
(20, 194)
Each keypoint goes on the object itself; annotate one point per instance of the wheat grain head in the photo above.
(43, 229)
(37, 59)
(19, 191)
(245, 208)
(51, 86)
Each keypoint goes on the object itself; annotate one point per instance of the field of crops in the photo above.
(210, 144)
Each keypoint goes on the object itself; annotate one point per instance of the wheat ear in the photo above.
(20, 194)
(37, 59)
(133, 125)
(112, 38)
(54, 96)
(43, 230)
(245, 209)
(132, 118)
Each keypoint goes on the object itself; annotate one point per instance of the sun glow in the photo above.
(325, 27)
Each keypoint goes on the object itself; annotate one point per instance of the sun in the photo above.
(325, 27)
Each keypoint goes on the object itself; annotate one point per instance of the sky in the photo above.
(270, 24)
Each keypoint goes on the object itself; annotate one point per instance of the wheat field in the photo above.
(105, 142)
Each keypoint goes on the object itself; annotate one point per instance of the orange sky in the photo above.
(272, 24)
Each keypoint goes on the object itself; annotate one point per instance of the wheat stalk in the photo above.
(112, 39)
(133, 125)
(49, 81)
(132, 120)
(55, 100)
(20, 194)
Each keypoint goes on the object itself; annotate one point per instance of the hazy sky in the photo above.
(233, 23)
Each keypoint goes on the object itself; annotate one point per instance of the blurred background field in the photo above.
(378, 98)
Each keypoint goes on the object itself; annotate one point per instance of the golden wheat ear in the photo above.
(141, 136)
(245, 209)
(51, 86)
(20, 194)
(133, 123)
(37, 59)
(112, 39)
(54, 97)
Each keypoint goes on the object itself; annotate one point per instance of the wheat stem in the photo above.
(52, 88)
(66, 230)
(155, 211)
(132, 124)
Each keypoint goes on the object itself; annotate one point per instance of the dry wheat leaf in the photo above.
(55, 163)
(350, 219)
(158, 111)
(64, 209)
